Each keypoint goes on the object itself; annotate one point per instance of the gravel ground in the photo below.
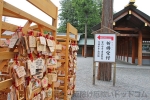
(132, 83)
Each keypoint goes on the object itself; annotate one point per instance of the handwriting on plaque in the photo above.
(59, 47)
(51, 49)
(40, 47)
(39, 63)
(20, 71)
(50, 43)
(42, 40)
(52, 77)
(13, 40)
(32, 68)
(32, 41)
(49, 92)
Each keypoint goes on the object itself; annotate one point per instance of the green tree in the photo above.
(80, 13)
(67, 14)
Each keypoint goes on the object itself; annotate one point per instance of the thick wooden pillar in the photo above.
(133, 50)
(104, 69)
(117, 51)
(122, 51)
(140, 48)
(127, 50)
(82, 51)
(1, 13)
(136, 48)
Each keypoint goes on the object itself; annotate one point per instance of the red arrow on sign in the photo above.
(105, 37)
(99, 37)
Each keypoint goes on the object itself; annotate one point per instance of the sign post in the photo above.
(105, 51)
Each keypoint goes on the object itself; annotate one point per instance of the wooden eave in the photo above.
(121, 14)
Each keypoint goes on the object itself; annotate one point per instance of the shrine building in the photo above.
(133, 40)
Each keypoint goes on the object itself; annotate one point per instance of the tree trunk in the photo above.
(104, 69)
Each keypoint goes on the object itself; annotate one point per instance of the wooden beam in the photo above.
(3, 63)
(133, 50)
(13, 28)
(127, 35)
(42, 5)
(7, 55)
(6, 36)
(36, 28)
(146, 36)
(6, 84)
(125, 29)
(140, 48)
(1, 13)
(140, 18)
(41, 30)
(71, 29)
(8, 14)
(4, 49)
(121, 16)
(9, 27)
(27, 16)
(54, 23)
(26, 27)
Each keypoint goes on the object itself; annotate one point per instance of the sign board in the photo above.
(105, 48)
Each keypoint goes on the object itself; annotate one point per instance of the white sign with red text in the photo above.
(105, 48)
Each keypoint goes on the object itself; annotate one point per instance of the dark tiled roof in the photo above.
(130, 7)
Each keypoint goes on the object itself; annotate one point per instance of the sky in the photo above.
(27, 7)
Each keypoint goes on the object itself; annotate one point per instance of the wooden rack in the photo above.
(66, 42)
(6, 54)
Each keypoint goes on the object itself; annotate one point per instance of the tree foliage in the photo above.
(79, 12)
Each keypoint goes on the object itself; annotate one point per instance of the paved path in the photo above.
(132, 83)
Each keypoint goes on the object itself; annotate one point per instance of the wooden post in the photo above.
(94, 69)
(82, 51)
(93, 51)
(133, 50)
(1, 13)
(140, 49)
(127, 50)
(114, 75)
(121, 51)
(54, 23)
(124, 50)
(136, 48)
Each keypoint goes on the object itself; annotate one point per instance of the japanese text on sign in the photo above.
(105, 47)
